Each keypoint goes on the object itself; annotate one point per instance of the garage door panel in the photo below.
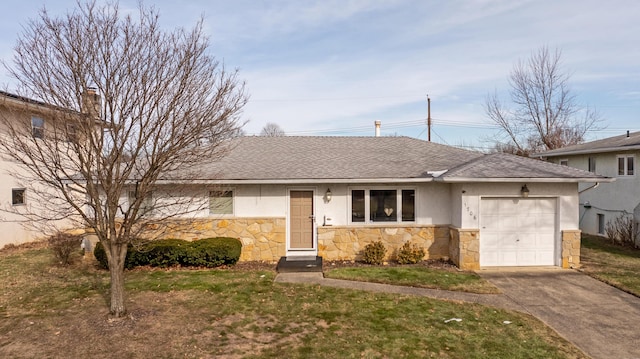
(517, 232)
(546, 206)
(508, 222)
(491, 222)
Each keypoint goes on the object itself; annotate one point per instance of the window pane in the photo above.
(630, 166)
(383, 206)
(592, 164)
(564, 162)
(221, 202)
(357, 206)
(37, 127)
(408, 205)
(620, 166)
(146, 205)
(17, 196)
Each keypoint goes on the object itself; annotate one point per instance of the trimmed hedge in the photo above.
(209, 252)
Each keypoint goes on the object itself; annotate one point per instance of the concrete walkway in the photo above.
(602, 321)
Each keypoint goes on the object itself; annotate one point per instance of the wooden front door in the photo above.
(301, 220)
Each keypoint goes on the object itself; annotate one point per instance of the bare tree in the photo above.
(131, 104)
(272, 130)
(545, 114)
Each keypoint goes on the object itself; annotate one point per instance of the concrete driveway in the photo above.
(602, 321)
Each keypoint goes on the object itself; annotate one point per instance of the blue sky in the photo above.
(333, 67)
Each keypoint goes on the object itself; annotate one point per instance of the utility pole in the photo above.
(428, 119)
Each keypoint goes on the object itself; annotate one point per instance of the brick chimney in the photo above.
(91, 103)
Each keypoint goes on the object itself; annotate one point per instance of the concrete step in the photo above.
(299, 264)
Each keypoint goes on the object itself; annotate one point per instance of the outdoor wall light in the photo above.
(525, 191)
(328, 195)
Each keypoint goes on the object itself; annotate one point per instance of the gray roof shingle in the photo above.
(610, 144)
(306, 159)
(506, 166)
(290, 157)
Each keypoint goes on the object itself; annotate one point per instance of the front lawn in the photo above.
(616, 265)
(50, 312)
(415, 276)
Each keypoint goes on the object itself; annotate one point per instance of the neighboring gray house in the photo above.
(331, 196)
(614, 157)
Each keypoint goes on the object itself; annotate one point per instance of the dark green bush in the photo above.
(410, 254)
(374, 253)
(210, 252)
(63, 245)
(131, 260)
(166, 253)
(214, 252)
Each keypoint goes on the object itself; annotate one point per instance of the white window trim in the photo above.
(233, 202)
(367, 205)
(626, 163)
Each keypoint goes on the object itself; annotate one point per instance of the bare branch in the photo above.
(545, 113)
(127, 104)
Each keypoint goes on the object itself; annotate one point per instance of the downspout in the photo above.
(588, 188)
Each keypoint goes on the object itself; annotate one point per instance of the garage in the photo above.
(517, 231)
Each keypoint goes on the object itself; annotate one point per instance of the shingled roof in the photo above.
(624, 142)
(371, 159)
(334, 158)
(505, 167)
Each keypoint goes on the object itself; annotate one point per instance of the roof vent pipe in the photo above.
(627, 133)
(377, 128)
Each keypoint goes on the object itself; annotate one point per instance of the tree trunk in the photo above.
(116, 269)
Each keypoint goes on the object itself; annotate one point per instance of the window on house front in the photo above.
(564, 162)
(408, 205)
(147, 202)
(72, 133)
(221, 202)
(601, 223)
(592, 164)
(357, 206)
(17, 196)
(626, 165)
(37, 127)
(382, 205)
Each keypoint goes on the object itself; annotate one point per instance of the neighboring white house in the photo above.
(614, 157)
(331, 196)
(16, 191)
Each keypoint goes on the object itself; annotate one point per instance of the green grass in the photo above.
(244, 314)
(616, 265)
(421, 277)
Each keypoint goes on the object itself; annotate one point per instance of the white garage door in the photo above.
(517, 231)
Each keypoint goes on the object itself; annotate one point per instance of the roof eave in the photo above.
(587, 151)
(527, 179)
(305, 181)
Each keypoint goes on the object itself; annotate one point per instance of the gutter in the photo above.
(586, 151)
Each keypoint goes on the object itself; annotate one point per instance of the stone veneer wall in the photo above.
(571, 248)
(464, 248)
(263, 239)
(348, 242)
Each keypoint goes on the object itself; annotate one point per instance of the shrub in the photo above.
(214, 252)
(63, 245)
(165, 253)
(210, 252)
(410, 254)
(374, 253)
(621, 230)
